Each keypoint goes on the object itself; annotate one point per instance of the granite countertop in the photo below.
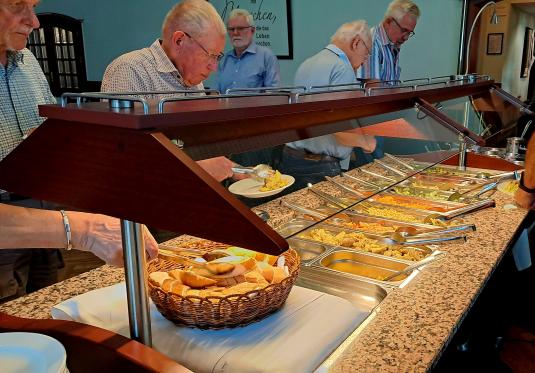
(412, 325)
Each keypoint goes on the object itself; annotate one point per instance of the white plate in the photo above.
(31, 352)
(251, 188)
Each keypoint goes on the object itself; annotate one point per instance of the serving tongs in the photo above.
(482, 189)
(212, 270)
(412, 267)
(380, 177)
(392, 238)
(305, 210)
(345, 188)
(365, 183)
(480, 205)
(328, 198)
(403, 228)
(260, 171)
(399, 161)
(390, 168)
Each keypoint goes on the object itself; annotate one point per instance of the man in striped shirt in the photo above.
(396, 28)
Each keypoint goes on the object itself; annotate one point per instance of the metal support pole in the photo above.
(462, 47)
(135, 273)
(462, 147)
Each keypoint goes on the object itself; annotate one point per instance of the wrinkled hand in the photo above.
(368, 143)
(101, 234)
(525, 199)
(220, 168)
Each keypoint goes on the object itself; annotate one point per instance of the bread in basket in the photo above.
(198, 298)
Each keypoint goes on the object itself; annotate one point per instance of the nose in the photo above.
(30, 18)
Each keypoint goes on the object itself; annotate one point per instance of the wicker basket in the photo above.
(216, 312)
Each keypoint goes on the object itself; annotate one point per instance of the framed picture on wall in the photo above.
(495, 43)
(273, 21)
(527, 52)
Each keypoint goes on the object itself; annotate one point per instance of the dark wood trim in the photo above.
(132, 175)
(92, 349)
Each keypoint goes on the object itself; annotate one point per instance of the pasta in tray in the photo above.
(359, 241)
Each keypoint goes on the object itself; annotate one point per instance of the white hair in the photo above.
(242, 13)
(193, 16)
(348, 31)
(399, 8)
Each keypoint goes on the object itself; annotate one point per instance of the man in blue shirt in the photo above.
(310, 160)
(247, 65)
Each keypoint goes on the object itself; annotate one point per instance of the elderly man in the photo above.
(23, 87)
(247, 65)
(310, 160)
(396, 28)
(193, 38)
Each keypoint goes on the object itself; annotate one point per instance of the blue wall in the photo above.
(113, 27)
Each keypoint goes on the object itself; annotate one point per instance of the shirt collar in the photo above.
(163, 63)
(252, 48)
(383, 36)
(15, 57)
(340, 53)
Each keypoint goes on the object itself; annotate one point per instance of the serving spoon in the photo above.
(412, 267)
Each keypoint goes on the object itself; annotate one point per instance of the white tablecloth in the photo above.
(295, 339)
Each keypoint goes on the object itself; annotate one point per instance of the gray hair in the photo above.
(242, 13)
(193, 16)
(348, 31)
(399, 8)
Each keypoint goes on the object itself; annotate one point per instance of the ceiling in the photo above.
(526, 8)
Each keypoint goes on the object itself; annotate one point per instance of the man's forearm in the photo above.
(25, 228)
(529, 173)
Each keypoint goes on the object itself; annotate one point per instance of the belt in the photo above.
(308, 156)
(11, 197)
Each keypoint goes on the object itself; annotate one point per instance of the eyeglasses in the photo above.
(403, 30)
(367, 49)
(237, 29)
(214, 57)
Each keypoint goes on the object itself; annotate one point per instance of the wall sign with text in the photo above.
(272, 19)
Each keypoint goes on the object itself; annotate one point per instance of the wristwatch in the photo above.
(523, 187)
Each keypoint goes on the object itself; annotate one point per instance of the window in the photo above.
(58, 45)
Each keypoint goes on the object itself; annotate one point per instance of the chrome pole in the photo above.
(462, 48)
(135, 274)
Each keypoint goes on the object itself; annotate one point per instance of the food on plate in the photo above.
(275, 181)
(233, 271)
(359, 241)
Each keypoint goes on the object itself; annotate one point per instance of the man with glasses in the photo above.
(310, 160)
(193, 38)
(247, 65)
(396, 28)
(24, 224)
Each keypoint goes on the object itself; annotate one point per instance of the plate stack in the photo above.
(31, 352)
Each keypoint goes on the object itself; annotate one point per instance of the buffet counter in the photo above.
(410, 328)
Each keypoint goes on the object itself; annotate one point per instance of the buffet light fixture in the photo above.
(494, 20)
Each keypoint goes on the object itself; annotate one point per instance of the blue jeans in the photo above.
(307, 171)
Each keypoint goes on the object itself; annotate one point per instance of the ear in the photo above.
(355, 42)
(178, 37)
(253, 29)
